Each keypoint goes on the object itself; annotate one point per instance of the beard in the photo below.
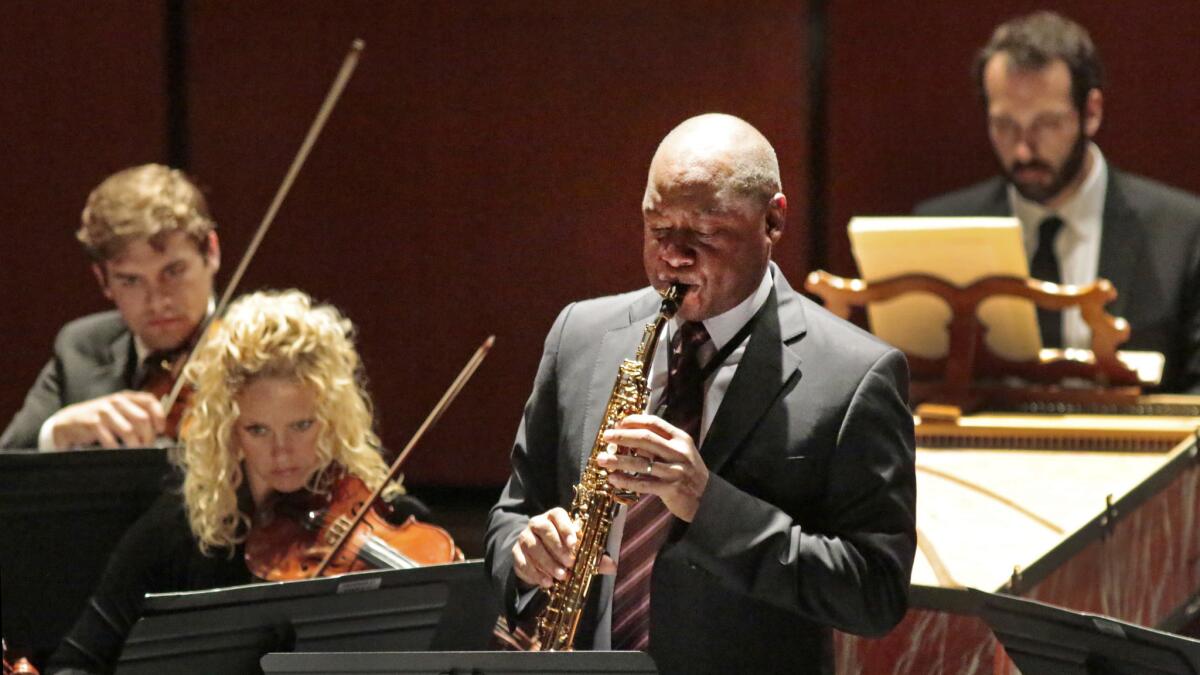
(1059, 178)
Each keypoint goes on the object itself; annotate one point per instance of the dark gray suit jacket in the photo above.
(1149, 250)
(808, 521)
(93, 356)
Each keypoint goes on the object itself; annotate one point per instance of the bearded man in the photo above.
(1041, 80)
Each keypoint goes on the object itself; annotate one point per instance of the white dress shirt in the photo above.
(1077, 245)
(721, 328)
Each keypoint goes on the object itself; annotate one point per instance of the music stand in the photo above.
(1043, 639)
(475, 663)
(439, 607)
(63, 512)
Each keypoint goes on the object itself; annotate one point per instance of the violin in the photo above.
(299, 531)
(303, 536)
(159, 384)
(21, 666)
(344, 531)
(162, 379)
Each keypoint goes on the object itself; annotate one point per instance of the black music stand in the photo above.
(475, 663)
(1043, 639)
(63, 512)
(229, 630)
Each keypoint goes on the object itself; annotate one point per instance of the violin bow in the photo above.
(314, 131)
(434, 415)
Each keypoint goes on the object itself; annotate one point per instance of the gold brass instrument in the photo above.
(596, 501)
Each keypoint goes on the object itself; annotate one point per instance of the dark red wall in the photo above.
(484, 168)
(905, 122)
(486, 163)
(83, 95)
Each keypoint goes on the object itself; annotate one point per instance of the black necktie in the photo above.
(1045, 268)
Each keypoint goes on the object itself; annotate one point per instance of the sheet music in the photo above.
(960, 251)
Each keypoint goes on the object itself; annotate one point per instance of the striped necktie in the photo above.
(648, 521)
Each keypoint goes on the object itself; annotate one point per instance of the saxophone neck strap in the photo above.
(730, 347)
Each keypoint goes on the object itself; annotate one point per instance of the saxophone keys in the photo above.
(625, 497)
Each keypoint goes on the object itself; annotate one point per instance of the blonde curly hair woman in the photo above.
(279, 405)
(279, 401)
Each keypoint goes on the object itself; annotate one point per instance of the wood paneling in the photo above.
(484, 168)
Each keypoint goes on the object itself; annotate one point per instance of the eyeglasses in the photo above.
(1006, 131)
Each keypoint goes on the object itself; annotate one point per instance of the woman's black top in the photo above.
(158, 554)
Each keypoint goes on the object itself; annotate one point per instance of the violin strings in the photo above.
(434, 415)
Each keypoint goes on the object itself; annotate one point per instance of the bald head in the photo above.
(712, 210)
(720, 150)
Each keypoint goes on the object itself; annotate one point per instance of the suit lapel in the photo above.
(111, 368)
(124, 361)
(616, 345)
(767, 366)
(1120, 243)
(997, 203)
(118, 372)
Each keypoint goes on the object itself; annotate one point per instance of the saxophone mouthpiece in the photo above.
(674, 292)
(672, 296)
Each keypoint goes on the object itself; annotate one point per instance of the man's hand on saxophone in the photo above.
(657, 458)
(545, 550)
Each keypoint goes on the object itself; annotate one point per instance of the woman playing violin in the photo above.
(279, 409)
(279, 406)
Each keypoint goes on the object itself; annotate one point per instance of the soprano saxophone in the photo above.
(596, 501)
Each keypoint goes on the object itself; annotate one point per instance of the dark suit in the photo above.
(1149, 250)
(808, 520)
(93, 356)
